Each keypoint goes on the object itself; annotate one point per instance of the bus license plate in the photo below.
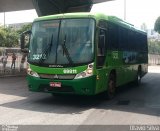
(55, 84)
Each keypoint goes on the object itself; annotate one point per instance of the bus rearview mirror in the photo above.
(24, 41)
(101, 41)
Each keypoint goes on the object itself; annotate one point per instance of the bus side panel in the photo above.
(102, 79)
(113, 62)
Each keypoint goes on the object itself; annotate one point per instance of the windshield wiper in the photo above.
(48, 48)
(65, 50)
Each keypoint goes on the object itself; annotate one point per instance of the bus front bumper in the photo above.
(84, 86)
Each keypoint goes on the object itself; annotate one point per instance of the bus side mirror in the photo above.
(24, 41)
(101, 44)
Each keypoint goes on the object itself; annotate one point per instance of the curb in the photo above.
(20, 75)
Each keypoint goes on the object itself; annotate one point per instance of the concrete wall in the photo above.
(154, 59)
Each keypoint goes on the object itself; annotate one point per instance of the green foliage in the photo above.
(2, 37)
(9, 37)
(24, 28)
(153, 47)
(12, 39)
(157, 25)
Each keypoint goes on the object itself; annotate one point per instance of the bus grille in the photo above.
(57, 77)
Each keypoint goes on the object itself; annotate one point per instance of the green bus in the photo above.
(84, 53)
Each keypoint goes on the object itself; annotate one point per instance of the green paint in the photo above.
(124, 63)
(44, 70)
(85, 86)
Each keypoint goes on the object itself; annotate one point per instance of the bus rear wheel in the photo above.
(138, 78)
(111, 90)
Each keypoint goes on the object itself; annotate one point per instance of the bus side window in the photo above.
(113, 36)
(101, 47)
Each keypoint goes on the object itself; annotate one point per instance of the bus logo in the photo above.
(55, 77)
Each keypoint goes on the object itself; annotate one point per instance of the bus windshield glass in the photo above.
(62, 42)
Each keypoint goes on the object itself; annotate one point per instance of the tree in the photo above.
(12, 39)
(157, 25)
(153, 46)
(8, 37)
(2, 37)
(24, 28)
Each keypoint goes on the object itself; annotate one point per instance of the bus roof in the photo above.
(96, 16)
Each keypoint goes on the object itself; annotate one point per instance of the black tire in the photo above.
(111, 90)
(138, 78)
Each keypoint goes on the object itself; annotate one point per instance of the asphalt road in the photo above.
(132, 105)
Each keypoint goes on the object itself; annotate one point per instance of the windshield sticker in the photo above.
(70, 71)
(50, 25)
(39, 56)
(115, 54)
(57, 66)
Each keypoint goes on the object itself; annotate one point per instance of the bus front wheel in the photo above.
(111, 90)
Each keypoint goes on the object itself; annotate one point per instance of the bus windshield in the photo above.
(62, 42)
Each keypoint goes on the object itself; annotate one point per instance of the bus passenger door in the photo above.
(101, 57)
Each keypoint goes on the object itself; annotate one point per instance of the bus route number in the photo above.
(39, 56)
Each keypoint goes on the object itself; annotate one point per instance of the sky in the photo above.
(18, 17)
(137, 12)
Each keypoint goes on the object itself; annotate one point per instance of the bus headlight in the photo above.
(31, 73)
(88, 72)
